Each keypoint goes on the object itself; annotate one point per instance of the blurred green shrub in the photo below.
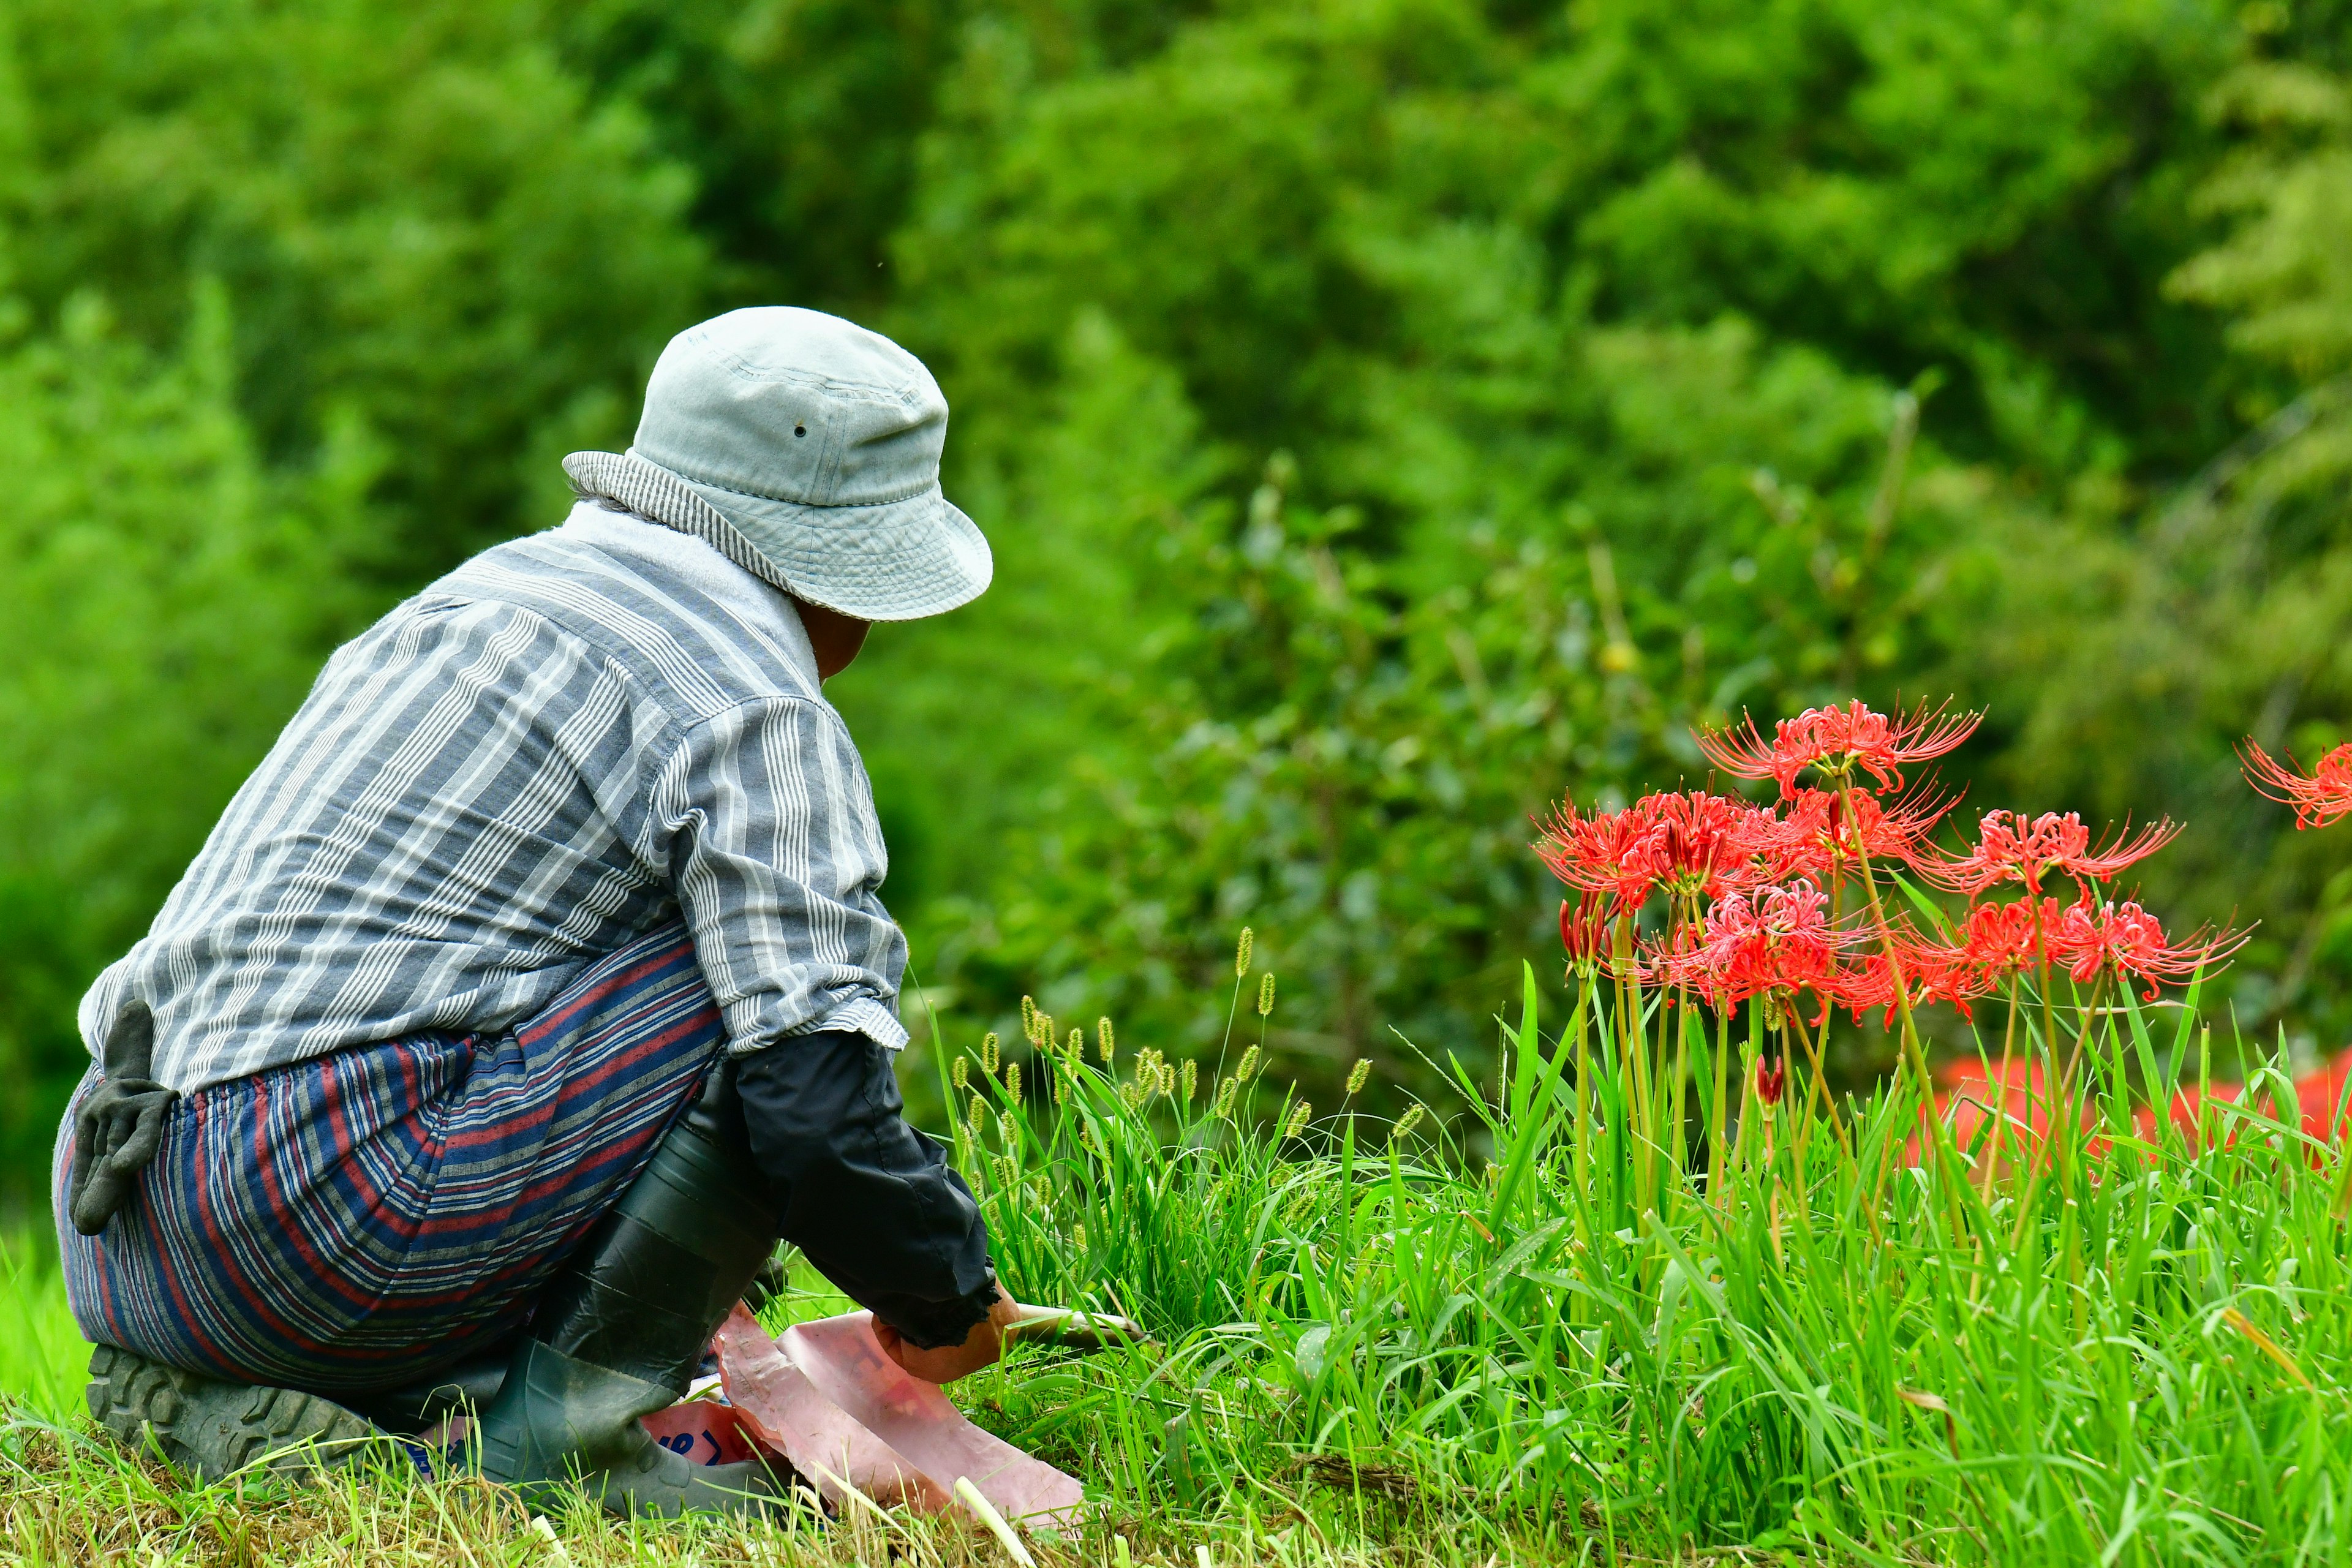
(166, 602)
(1588, 336)
(429, 230)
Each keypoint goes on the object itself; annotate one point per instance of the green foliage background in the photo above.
(1390, 415)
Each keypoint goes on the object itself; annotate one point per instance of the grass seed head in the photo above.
(1223, 1103)
(1294, 1213)
(1242, 953)
(961, 1074)
(1012, 1082)
(1075, 1048)
(1029, 1017)
(1103, 1040)
(988, 1052)
(1357, 1074)
(1190, 1081)
(1044, 1038)
(1248, 1067)
(1300, 1116)
(1405, 1123)
(1153, 1075)
(1266, 995)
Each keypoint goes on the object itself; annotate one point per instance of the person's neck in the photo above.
(834, 637)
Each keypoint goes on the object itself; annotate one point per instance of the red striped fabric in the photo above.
(353, 1222)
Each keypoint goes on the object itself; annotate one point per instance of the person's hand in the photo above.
(982, 1347)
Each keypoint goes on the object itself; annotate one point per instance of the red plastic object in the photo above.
(844, 1362)
(702, 1430)
(1971, 1095)
(783, 1410)
(846, 1418)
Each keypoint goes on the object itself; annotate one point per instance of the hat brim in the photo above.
(898, 561)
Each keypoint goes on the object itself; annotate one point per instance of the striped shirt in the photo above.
(543, 754)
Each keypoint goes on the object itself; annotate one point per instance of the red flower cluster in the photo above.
(1761, 872)
(2318, 798)
(1695, 843)
(1776, 939)
(1837, 740)
(2086, 939)
(1815, 838)
(2009, 847)
(1997, 942)
(2096, 937)
(1709, 845)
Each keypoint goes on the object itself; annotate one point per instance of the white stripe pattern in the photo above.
(511, 775)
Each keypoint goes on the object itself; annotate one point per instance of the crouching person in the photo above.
(537, 982)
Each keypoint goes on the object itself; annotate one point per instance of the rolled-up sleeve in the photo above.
(764, 817)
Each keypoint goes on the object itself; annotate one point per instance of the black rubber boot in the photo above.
(216, 1428)
(621, 1331)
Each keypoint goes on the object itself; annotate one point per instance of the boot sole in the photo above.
(216, 1429)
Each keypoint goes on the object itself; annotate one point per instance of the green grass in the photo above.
(1564, 1344)
(1520, 1333)
(42, 1356)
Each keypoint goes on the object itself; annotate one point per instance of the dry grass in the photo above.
(69, 1497)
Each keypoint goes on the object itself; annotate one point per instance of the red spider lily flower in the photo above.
(1620, 853)
(2091, 936)
(2318, 799)
(1958, 973)
(2009, 847)
(1584, 932)
(1680, 963)
(1710, 845)
(1770, 1079)
(1863, 987)
(1773, 940)
(1816, 840)
(1997, 942)
(1929, 975)
(2003, 940)
(1836, 740)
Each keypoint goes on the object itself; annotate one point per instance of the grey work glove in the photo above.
(120, 1125)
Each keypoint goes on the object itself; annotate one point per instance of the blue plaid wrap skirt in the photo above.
(352, 1223)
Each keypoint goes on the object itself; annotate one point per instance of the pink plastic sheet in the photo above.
(845, 1363)
(829, 1403)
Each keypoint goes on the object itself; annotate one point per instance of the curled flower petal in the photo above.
(2318, 797)
(2012, 847)
(1620, 853)
(2091, 936)
(1837, 740)
(1816, 840)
